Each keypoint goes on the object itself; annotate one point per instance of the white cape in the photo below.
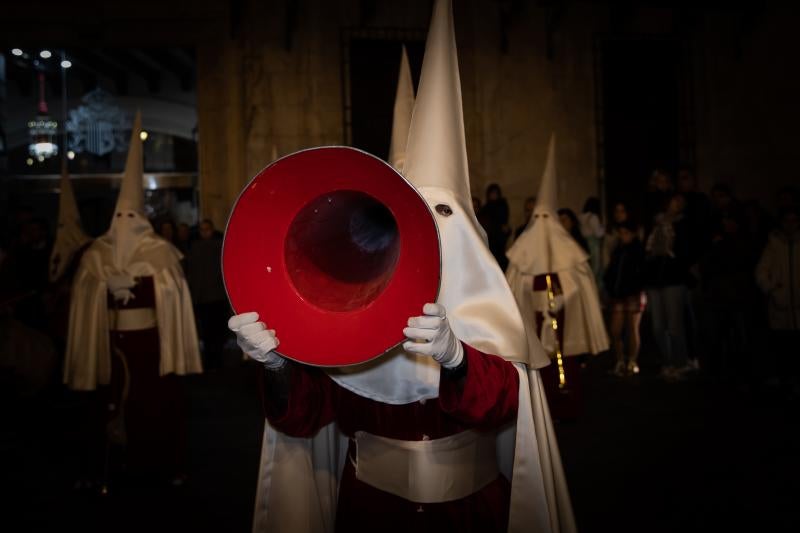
(88, 352)
(584, 328)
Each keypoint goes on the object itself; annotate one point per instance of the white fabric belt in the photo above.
(427, 471)
(132, 319)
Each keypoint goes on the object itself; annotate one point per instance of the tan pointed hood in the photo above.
(131, 193)
(545, 246)
(403, 108)
(70, 236)
(129, 224)
(547, 199)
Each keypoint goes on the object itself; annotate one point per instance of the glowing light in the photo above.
(66, 63)
(45, 54)
(16, 51)
(143, 135)
(29, 161)
(40, 158)
(70, 155)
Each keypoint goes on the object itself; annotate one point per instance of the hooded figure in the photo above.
(444, 435)
(131, 323)
(70, 238)
(546, 252)
(66, 255)
(403, 109)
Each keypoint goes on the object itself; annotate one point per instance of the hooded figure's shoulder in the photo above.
(97, 254)
(158, 252)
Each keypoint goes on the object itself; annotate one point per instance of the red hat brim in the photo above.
(290, 255)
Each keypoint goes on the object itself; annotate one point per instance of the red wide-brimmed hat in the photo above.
(335, 250)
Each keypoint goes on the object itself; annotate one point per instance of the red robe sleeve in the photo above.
(310, 405)
(487, 397)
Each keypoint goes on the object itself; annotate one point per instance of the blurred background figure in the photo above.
(573, 226)
(624, 284)
(476, 205)
(204, 273)
(667, 280)
(167, 230)
(184, 238)
(530, 203)
(593, 231)
(493, 216)
(619, 215)
(778, 276)
(729, 298)
(659, 191)
(722, 200)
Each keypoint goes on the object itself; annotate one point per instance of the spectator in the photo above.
(778, 276)
(624, 284)
(698, 207)
(530, 203)
(476, 205)
(570, 222)
(729, 297)
(167, 230)
(619, 215)
(184, 238)
(698, 222)
(757, 224)
(494, 218)
(592, 229)
(722, 199)
(660, 190)
(667, 279)
(208, 292)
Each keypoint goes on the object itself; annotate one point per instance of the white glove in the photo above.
(431, 335)
(256, 340)
(120, 285)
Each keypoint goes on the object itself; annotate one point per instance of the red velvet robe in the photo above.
(485, 399)
(154, 410)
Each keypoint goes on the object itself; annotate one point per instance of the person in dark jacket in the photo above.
(667, 280)
(208, 292)
(730, 297)
(493, 216)
(624, 285)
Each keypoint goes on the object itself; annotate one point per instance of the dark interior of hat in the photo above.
(341, 250)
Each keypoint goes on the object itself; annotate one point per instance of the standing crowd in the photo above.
(718, 277)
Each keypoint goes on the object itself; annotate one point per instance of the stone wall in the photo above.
(278, 81)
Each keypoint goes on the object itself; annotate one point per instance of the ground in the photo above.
(646, 456)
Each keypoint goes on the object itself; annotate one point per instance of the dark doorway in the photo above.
(641, 114)
(374, 67)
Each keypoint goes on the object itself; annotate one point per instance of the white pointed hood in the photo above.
(69, 235)
(480, 307)
(403, 109)
(545, 245)
(436, 154)
(129, 225)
